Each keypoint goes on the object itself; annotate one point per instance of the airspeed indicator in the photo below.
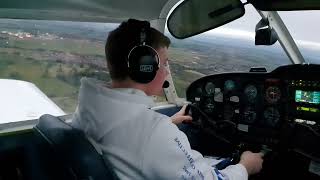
(210, 87)
(251, 92)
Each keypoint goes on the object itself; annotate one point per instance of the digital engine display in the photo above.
(311, 97)
(308, 109)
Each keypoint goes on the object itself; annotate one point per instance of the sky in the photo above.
(303, 25)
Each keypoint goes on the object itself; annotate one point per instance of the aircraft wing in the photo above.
(21, 100)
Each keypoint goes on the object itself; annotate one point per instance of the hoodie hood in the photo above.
(100, 106)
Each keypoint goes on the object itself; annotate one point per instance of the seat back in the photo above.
(74, 151)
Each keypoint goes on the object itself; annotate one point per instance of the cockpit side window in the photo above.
(305, 30)
(53, 56)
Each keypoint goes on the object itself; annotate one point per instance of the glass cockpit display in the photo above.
(310, 97)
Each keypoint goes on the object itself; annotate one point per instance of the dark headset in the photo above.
(143, 60)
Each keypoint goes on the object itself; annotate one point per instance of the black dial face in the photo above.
(273, 94)
(249, 115)
(210, 88)
(272, 116)
(198, 94)
(251, 92)
(199, 91)
(209, 105)
(229, 85)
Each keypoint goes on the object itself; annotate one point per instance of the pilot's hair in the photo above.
(121, 40)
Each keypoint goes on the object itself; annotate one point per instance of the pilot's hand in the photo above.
(251, 161)
(180, 116)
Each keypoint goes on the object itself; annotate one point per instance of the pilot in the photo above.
(139, 142)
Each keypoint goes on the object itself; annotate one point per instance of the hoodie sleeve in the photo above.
(168, 155)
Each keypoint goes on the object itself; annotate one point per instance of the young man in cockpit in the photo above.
(139, 142)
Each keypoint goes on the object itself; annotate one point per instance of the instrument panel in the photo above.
(261, 104)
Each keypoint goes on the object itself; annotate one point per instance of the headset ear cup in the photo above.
(143, 64)
(143, 60)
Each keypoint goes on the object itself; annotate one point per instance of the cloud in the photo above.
(309, 45)
(233, 33)
(246, 35)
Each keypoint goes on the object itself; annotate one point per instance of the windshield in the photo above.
(231, 48)
(48, 58)
(305, 30)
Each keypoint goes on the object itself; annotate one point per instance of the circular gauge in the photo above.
(273, 94)
(199, 91)
(229, 85)
(210, 87)
(251, 92)
(198, 94)
(250, 115)
(209, 105)
(272, 116)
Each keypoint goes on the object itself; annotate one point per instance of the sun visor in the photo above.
(285, 5)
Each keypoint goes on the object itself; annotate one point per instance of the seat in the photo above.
(74, 151)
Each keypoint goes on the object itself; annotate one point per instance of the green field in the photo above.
(56, 66)
(83, 47)
(59, 82)
(181, 83)
(16, 67)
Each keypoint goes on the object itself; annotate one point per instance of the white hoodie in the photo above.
(139, 142)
